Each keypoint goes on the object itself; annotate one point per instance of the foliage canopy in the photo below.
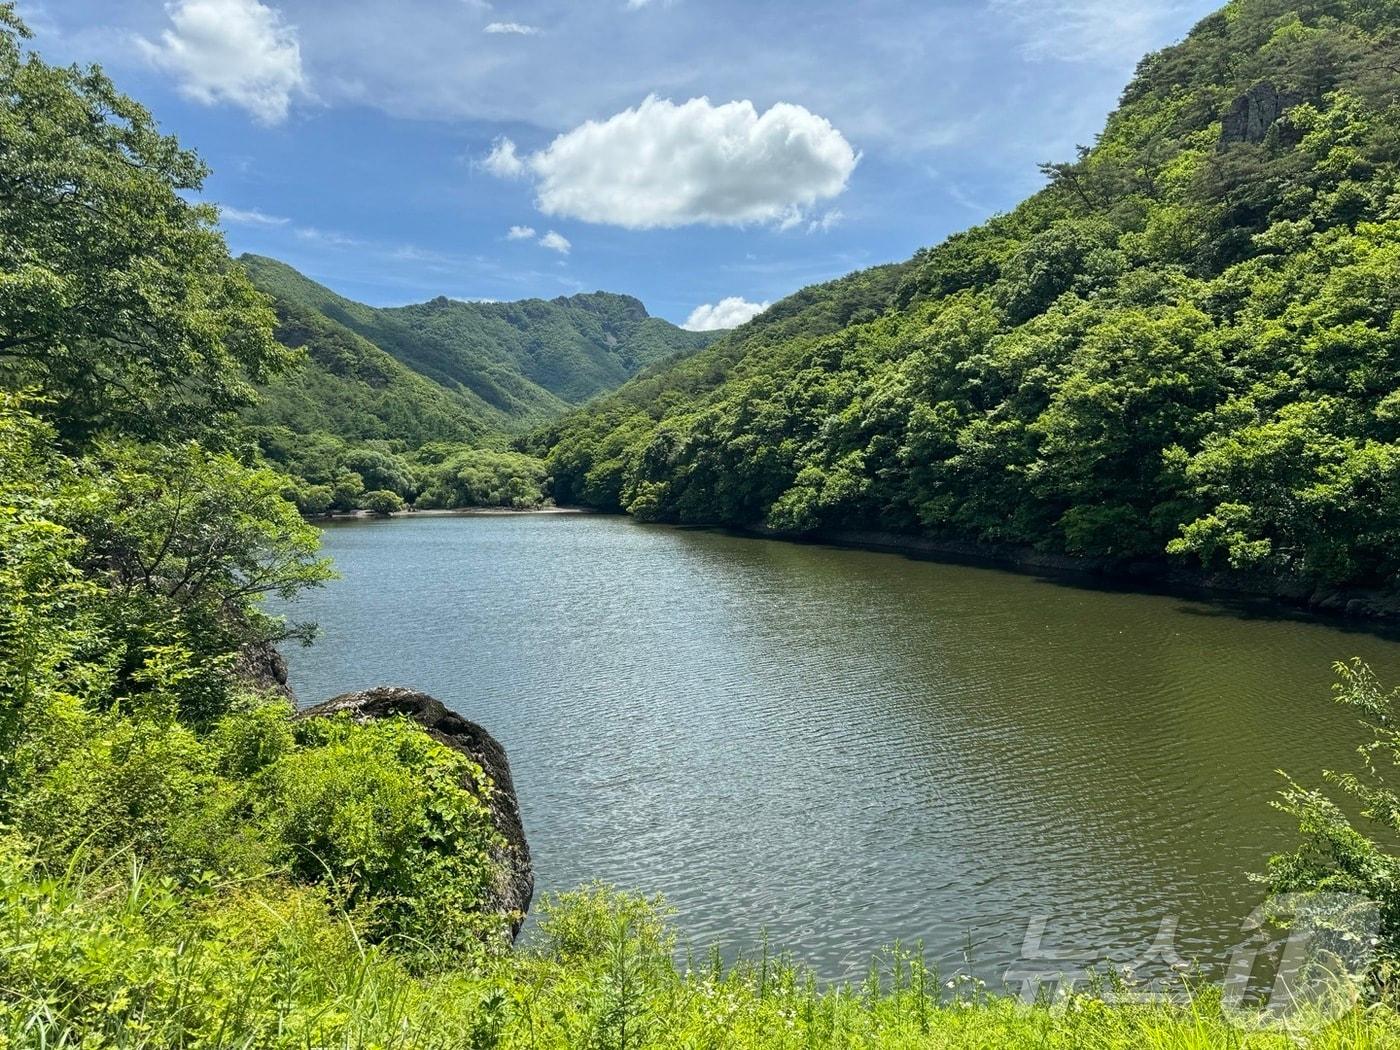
(1186, 346)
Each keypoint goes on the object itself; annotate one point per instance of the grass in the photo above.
(122, 959)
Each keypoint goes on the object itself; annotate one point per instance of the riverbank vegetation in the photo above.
(120, 958)
(1185, 348)
(378, 400)
(326, 474)
(138, 542)
(184, 863)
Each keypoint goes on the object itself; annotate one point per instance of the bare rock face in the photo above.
(1252, 114)
(515, 885)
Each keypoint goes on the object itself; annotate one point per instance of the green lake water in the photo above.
(846, 748)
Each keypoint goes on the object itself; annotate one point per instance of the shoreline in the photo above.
(1373, 610)
(1366, 609)
(453, 512)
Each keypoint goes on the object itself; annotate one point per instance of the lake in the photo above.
(844, 748)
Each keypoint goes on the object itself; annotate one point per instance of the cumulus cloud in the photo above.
(556, 242)
(827, 222)
(238, 51)
(250, 217)
(516, 28)
(504, 161)
(667, 165)
(727, 313)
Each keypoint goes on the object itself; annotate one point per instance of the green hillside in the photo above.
(575, 348)
(349, 387)
(1185, 346)
(412, 404)
(449, 370)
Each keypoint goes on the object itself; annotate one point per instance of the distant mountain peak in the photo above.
(605, 301)
(507, 365)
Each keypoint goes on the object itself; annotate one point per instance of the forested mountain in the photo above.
(386, 405)
(349, 387)
(449, 370)
(1185, 346)
(574, 347)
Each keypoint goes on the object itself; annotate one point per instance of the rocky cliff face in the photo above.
(515, 885)
(1253, 113)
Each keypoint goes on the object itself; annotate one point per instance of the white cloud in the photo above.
(413, 253)
(503, 161)
(1089, 30)
(238, 51)
(556, 242)
(515, 28)
(727, 313)
(903, 93)
(327, 237)
(666, 165)
(250, 217)
(790, 219)
(827, 222)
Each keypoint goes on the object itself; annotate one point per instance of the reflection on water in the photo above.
(848, 748)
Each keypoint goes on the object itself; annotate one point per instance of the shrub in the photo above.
(382, 502)
(1333, 855)
(395, 822)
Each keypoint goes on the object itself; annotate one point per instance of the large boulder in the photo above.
(515, 885)
(261, 666)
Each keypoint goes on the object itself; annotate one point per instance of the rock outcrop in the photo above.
(264, 668)
(1253, 113)
(515, 885)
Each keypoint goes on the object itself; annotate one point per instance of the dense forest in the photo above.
(414, 405)
(1184, 348)
(185, 864)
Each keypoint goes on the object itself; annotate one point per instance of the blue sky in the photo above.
(695, 153)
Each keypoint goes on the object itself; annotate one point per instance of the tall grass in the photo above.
(122, 959)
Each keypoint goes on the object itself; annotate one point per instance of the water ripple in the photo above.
(846, 748)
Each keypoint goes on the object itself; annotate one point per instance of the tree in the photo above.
(382, 502)
(50, 641)
(1072, 255)
(117, 295)
(484, 478)
(314, 500)
(380, 470)
(346, 491)
(1140, 383)
(186, 543)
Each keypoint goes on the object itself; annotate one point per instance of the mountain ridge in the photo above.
(450, 369)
